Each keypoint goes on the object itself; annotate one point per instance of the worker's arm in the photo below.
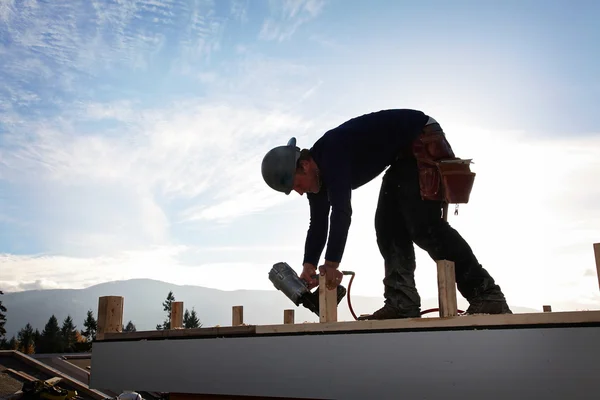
(339, 189)
(316, 237)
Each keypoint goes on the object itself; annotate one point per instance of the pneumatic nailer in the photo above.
(286, 280)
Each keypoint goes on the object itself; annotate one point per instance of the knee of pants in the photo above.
(427, 236)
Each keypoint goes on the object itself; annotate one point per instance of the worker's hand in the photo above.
(307, 272)
(333, 277)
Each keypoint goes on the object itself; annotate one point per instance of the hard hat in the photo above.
(279, 166)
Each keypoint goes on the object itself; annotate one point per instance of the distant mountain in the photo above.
(143, 300)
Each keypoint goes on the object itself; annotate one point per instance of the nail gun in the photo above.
(286, 280)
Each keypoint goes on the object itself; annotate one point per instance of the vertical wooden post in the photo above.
(597, 256)
(327, 302)
(447, 289)
(288, 316)
(177, 314)
(547, 308)
(110, 315)
(237, 315)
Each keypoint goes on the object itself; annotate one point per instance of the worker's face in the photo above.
(306, 180)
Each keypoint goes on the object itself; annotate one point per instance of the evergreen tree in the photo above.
(69, 334)
(13, 344)
(2, 319)
(130, 327)
(167, 307)
(91, 326)
(190, 320)
(26, 340)
(51, 339)
(37, 339)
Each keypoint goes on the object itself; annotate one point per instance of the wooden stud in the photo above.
(177, 314)
(597, 255)
(237, 317)
(547, 308)
(288, 316)
(327, 302)
(447, 289)
(110, 315)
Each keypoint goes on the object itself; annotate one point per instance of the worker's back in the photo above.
(364, 146)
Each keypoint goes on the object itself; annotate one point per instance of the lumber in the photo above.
(208, 332)
(288, 316)
(446, 288)
(237, 315)
(477, 321)
(110, 315)
(177, 314)
(21, 374)
(327, 301)
(568, 318)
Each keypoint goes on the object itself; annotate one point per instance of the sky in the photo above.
(131, 135)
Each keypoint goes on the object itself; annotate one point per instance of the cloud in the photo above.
(239, 10)
(190, 161)
(56, 52)
(287, 16)
(18, 273)
(79, 272)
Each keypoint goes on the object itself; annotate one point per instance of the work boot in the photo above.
(491, 301)
(390, 312)
(482, 306)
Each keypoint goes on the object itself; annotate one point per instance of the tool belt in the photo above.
(442, 175)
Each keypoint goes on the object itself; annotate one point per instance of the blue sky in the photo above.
(131, 135)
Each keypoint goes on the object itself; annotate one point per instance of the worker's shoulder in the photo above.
(397, 113)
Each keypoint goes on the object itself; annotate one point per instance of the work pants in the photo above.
(403, 218)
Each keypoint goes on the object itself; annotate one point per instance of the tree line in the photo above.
(66, 338)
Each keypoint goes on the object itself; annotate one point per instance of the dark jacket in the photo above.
(349, 156)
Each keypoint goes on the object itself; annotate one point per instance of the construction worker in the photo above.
(349, 156)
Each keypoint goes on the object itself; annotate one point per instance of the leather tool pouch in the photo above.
(442, 175)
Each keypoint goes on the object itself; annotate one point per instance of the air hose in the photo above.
(353, 274)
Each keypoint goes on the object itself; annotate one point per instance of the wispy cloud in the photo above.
(57, 52)
(287, 16)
